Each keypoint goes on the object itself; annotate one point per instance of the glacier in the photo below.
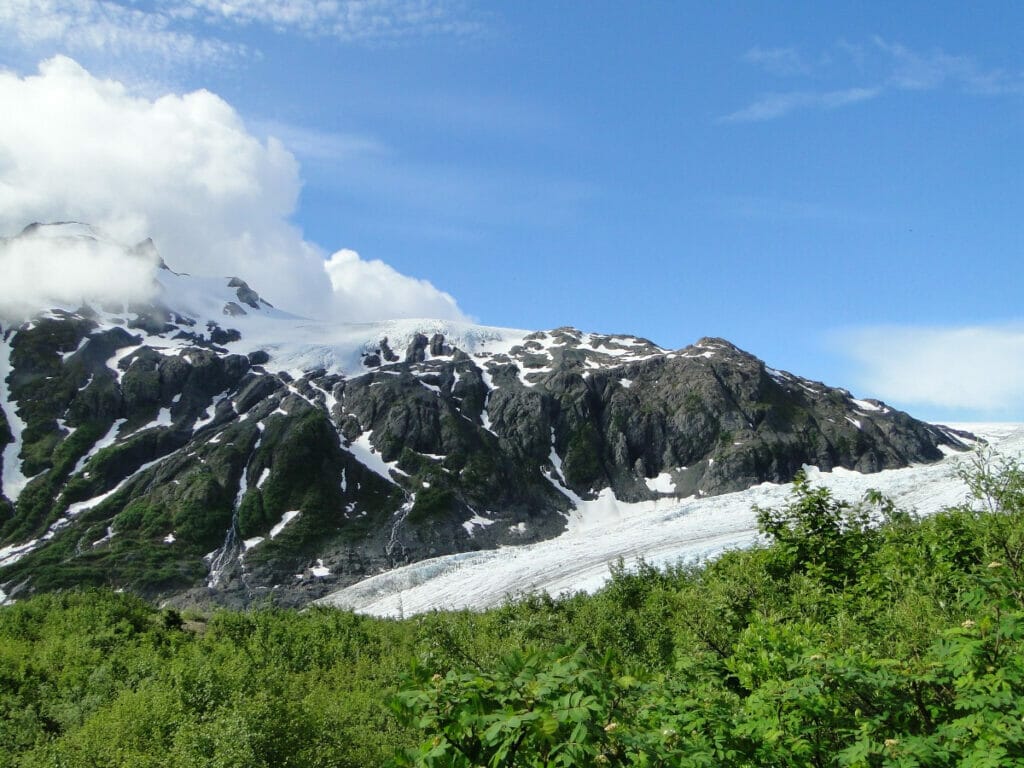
(663, 532)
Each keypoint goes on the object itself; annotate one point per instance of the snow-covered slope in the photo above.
(295, 344)
(298, 345)
(661, 532)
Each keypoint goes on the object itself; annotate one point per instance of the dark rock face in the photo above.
(196, 475)
(245, 294)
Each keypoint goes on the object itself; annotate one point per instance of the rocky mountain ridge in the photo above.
(208, 446)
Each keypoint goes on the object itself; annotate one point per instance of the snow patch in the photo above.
(557, 478)
(12, 553)
(367, 455)
(107, 537)
(485, 419)
(118, 356)
(867, 405)
(13, 480)
(65, 355)
(663, 483)
(476, 521)
(74, 510)
(104, 442)
(210, 414)
(286, 518)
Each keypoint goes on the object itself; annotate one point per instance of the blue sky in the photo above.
(835, 187)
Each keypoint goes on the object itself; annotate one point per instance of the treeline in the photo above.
(860, 636)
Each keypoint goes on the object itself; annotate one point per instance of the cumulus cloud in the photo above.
(372, 290)
(979, 368)
(41, 271)
(182, 169)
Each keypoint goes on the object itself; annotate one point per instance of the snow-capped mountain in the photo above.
(205, 445)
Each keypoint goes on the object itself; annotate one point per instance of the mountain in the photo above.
(207, 446)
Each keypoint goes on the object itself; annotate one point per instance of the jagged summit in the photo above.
(207, 446)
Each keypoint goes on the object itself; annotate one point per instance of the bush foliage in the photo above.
(858, 636)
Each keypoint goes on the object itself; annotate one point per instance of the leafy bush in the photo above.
(858, 636)
(823, 536)
(431, 501)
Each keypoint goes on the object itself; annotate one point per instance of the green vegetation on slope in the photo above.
(843, 643)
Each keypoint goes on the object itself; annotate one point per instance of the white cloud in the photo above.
(182, 169)
(322, 146)
(372, 290)
(109, 28)
(185, 32)
(976, 367)
(41, 271)
(914, 71)
(346, 20)
(894, 68)
(775, 105)
(778, 61)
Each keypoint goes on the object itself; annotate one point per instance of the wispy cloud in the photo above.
(114, 29)
(199, 31)
(913, 71)
(886, 67)
(443, 202)
(777, 209)
(772, 106)
(318, 145)
(349, 20)
(778, 61)
(980, 368)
